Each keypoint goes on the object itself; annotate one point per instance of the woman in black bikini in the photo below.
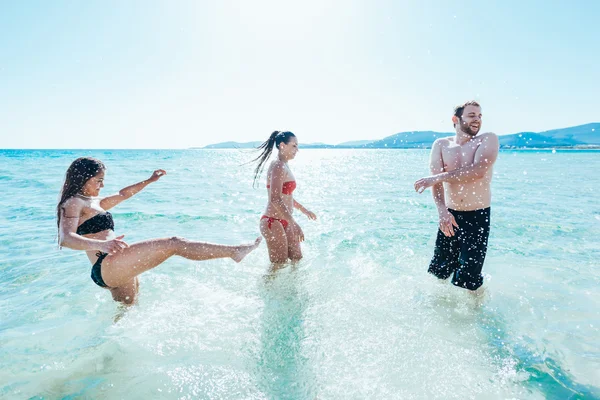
(282, 233)
(85, 224)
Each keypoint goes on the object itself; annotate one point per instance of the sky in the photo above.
(188, 73)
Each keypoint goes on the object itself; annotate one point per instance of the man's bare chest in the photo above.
(455, 157)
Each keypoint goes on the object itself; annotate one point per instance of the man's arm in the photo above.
(485, 157)
(436, 167)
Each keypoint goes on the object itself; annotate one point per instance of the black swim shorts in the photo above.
(463, 254)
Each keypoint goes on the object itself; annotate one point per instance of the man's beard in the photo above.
(466, 128)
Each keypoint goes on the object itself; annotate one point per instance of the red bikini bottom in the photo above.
(271, 219)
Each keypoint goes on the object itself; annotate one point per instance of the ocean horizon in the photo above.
(358, 317)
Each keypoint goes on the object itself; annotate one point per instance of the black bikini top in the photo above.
(98, 223)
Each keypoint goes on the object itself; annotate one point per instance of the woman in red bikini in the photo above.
(277, 225)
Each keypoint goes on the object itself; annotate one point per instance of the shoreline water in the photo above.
(359, 317)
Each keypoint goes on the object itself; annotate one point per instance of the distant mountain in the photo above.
(582, 135)
(588, 133)
(576, 136)
(408, 140)
(233, 145)
(355, 143)
(253, 145)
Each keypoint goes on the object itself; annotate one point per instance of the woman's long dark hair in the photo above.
(276, 138)
(79, 172)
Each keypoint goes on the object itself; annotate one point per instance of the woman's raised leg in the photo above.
(127, 293)
(120, 268)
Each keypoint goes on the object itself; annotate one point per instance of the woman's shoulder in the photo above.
(75, 202)
(277, 165)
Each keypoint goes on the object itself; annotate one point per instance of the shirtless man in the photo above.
(461, 168)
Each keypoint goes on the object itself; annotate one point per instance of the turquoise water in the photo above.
(358, 318)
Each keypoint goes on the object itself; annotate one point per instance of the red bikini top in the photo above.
(287, 188)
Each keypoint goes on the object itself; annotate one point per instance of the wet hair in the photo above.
(458, 110)
(80, 171)
(276, 138)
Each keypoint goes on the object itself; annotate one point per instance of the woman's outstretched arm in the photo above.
(125, 193)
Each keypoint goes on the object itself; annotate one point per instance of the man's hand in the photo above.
(424, 183)
(447, 223)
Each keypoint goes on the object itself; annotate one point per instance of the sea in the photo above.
(358, 317)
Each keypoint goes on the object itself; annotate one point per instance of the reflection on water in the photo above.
(512, 356)
(539, 369)
(283, 369)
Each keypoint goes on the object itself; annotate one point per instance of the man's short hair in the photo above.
(458, 110)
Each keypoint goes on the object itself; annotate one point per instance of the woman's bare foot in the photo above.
(243, 250)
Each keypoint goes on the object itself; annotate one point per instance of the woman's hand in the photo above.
(115, 245)
(310, 214)
(297, 232)
(157, 174)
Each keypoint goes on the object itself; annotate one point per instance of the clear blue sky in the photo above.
(178, 74)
